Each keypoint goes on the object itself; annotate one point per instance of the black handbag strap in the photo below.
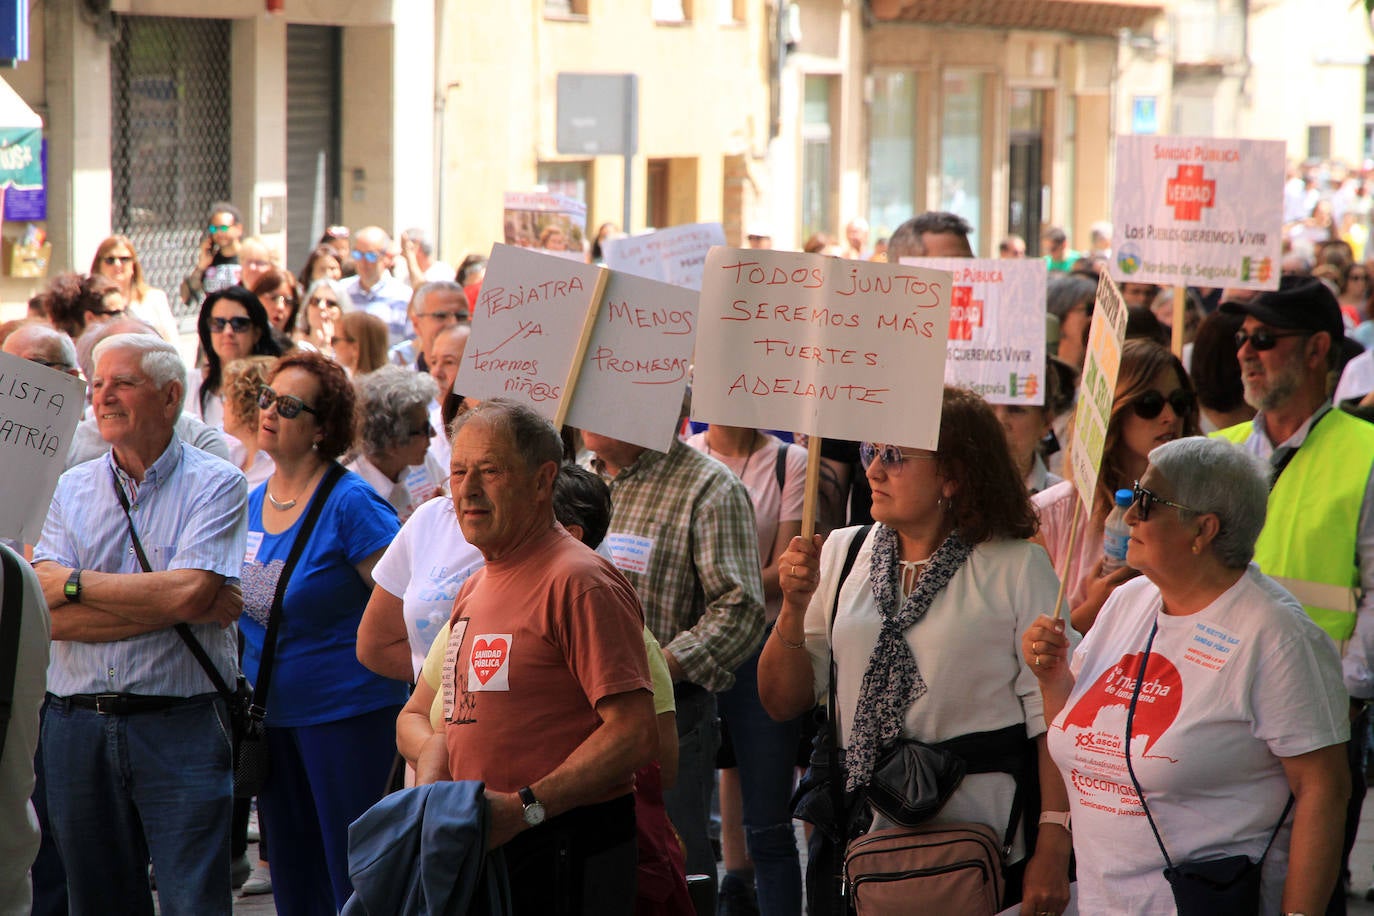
(1140, 793)
(11, 617)
(317, 502)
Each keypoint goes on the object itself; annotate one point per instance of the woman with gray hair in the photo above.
(1240, 712)
(393, 438)
(321, 315)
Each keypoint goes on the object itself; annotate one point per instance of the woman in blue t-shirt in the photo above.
(330, 721)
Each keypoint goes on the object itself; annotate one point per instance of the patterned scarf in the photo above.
(893, 682)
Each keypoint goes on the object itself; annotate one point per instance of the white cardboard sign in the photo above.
(676, 255)
(637, 362)
(531, 217)
(1097, 389)
(529, 319)
(824, 346)
(1198, 211)
(39, 411)
(996, 327)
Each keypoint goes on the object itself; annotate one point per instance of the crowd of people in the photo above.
(422, 588)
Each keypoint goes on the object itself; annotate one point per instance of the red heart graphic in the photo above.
(488, 657)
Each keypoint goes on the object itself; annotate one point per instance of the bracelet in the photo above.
(786, 644)
(1058, 818)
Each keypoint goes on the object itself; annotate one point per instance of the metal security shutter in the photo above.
(312, 137)
(170, 147)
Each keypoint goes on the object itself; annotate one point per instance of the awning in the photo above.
(21, 142)
(1082, 17)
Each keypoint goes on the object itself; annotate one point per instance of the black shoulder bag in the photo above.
(11, 617)
(1230, 885)
(247, 708)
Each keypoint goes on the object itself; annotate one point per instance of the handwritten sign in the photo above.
(1097, 389)
(39, 410)
(676, 255)
(530, 317)
(552, 223)
(829, 347)
(996, 327)
(1198, 211)
(637, 362)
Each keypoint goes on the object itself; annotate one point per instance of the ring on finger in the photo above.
(1037, 661)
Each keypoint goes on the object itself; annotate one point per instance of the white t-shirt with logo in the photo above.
(1227, 692)
(425, 566)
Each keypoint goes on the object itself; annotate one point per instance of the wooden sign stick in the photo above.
(1068, 558)
(1180, 304)
(580, 354)
(813, 486)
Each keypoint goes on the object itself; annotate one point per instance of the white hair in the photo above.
(159, 360)
(1214, 476)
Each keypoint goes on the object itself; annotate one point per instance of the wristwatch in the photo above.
(72, 590)
(1056, 817)
(534, 808)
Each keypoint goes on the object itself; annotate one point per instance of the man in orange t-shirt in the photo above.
(546, 686)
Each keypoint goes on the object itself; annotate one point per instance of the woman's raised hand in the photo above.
(1045, 648)
(799, 570)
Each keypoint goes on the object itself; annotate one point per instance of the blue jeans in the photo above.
(322, 778)
(766, 752)
(122, 789)
(689, 801)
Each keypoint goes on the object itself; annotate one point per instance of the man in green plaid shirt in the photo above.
(682, 531)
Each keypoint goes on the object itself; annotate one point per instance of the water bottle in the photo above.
(1116, 534)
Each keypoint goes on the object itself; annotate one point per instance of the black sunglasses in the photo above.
(1144, 500)
(288, 406)
(1262, 339)
(1151, 404)
(239, 323)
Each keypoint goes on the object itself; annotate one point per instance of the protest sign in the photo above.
(1198, 211)
(637, 362)
(1097, 389)
(996, 327)
(676, 255)
(530, 329)
(825, 346)
(550, 222)
(39, 411)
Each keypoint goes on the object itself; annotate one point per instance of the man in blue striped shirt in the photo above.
(136, 749)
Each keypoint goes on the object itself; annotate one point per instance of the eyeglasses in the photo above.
(427, 431)
(111, 313)
(288, 406)
(258, 263)
(890, 455)
(50, 364)
(283, 298)
(368, 256)
(1144, 500)
(327, 303)
(110, 260)
(1151, 404)
(225, 228)
(444, 316)
(239, 323)
(1262, 339)
(335, 341)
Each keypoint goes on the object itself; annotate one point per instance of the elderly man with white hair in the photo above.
(138, 560)
(373, 289)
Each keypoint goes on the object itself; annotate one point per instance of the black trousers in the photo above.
(581, 863)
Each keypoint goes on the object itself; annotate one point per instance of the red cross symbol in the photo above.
(1188, 192)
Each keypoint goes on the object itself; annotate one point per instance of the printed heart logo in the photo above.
(488, 657)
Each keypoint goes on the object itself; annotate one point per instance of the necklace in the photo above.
(753, 450)
(288, 505)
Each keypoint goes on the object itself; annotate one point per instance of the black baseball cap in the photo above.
(1302, 303)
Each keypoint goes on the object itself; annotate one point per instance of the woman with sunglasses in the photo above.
(321, 316)
(232, 324)
(276, 290)
(115, 259)
(925, 635)
(330, 721)
(393, 438)
(1154, 404)
(1354, 295)
(1241, 702)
